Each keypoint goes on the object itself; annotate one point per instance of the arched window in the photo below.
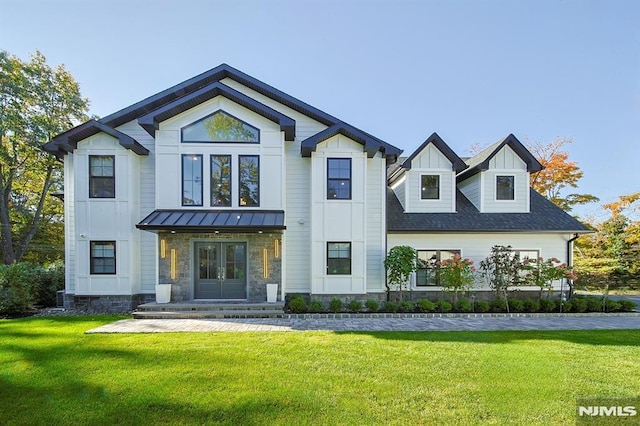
(220, 127)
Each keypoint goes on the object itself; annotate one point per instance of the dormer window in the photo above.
(430, 187)
(220, 127)
(505, 188)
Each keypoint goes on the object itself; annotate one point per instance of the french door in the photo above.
(220, 271)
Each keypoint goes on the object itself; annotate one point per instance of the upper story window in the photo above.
(220, 127)
(249, 180)
(191, 180)
(338, 179)
(430, 187)
(505, 187)
(102, 176)
(221, 180)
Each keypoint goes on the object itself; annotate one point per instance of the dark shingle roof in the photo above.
(544, 217)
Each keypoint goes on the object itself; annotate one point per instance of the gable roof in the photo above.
(150, 122)
(543, 217)
(370, 144)
(480, 162)
(66, 142)
(184, 95)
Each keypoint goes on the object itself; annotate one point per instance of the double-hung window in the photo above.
(102, 257)
(505, 187)
(338, 179)
(339, 258)
(102, 176)
(430, 187)
(427, 269)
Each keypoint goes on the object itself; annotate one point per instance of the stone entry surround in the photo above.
(183, 243)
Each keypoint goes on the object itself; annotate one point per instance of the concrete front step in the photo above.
(212, 314)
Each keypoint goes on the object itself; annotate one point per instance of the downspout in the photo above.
(569, 262)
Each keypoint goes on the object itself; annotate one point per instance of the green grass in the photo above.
(52, 373)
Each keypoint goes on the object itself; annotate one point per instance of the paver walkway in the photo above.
(372, 324)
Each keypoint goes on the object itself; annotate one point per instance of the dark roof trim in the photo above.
(150, 122)
(481, 161)
(68, 141)
(370, 144)
(213, 221)
(458, 164)
(214, 75)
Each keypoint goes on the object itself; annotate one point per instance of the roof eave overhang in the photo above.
(150, 122)
(486, 231)
(457, 164)
(370, 145)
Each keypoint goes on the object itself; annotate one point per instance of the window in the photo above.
(102, 182)
(102, 257)
(191, 180)
(427, 265)
(527, 254)
(249, 180)
(338, 179)
(430, 187)
(220, 180)
(338, 258)
(505, 188)
(220, 127)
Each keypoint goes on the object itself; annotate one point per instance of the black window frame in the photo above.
(432, 265)
(240, 184)
(424, 189)
(93, 259)
(101, 182)
(220, 111)
(229, 177)
(340, 179)
(332, 260)
(511, 191)
(182, 158)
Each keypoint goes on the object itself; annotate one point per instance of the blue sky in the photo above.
(473, 71)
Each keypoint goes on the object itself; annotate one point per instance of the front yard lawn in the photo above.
(52, 373)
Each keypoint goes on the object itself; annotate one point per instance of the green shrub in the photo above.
(372, 305)
(355, 306)
(498, 305)
(611, 305)
(390, 306)
(627, 305)
(547, 305)
(516, 305)
(425, 305)
(406, 306)
(335, 306)
(443, 306)
(481, 306)
(463, 305)
(49, 281)
(316, 306)
(567, 306)
(594, 304)
(297, 305)
(578, 304)
(531, 305)
(16, 288)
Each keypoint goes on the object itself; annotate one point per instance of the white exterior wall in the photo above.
(105, 219)
(69, 225)
(344, 220)
(376, 223)
(148, 240)
(430, 162)
(471, 189)
(477, 246)
(400, 189)
(169, 151)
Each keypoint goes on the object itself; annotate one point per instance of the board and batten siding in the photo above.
(477, 246)
(376, 223)
(148, 240)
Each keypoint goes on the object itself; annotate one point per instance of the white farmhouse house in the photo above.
(223, 184)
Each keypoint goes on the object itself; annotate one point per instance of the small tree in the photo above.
(543, 273)
(456, 275)
(399, 264)
(502, 270)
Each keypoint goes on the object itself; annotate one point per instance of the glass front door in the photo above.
(221, 271)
